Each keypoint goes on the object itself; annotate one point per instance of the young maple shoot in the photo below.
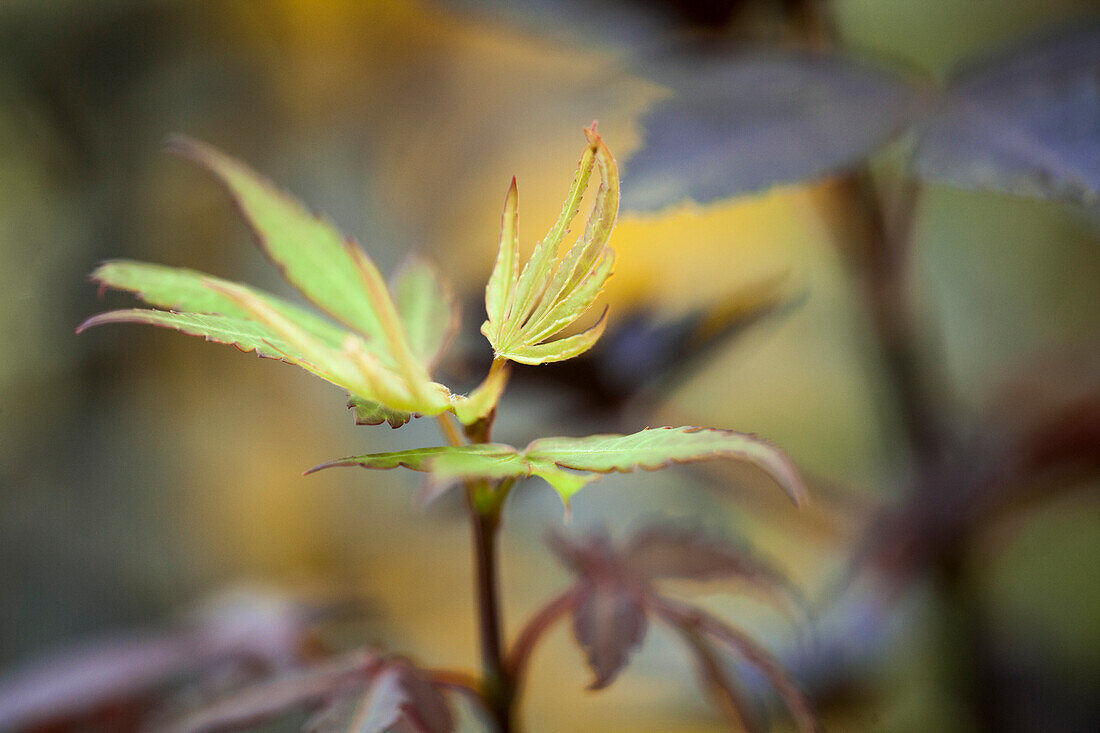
(380, 343)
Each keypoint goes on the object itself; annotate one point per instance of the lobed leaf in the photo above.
(368, 412)
(480, 460)
(669, 551)
(398, 694)
(312, 254)
(1024, 122)
(181, 289)
(353, 366)
(304, 348)
(247, 336)
(540, 267)
(558, 460)
(272, 328)
(740, 121)
(567, 309)
(615, 590)
(562, 349)
(660, 447)
(719, 681)
(273, 698)
(551, 292)
(502, 282)
(663, 551)
(427, 309)
(386, 370)
(609, 623)
(695, 620)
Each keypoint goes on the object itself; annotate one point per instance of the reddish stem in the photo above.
(496, 686)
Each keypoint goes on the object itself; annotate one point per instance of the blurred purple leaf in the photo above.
(243, 625)
(425, 708)
(609, 623)
(1030, 450)
(84, 678)
(400, 697)
(585, 555)
(357, 692)
(741, 121)
(668, 551)
(696, 621)
(664, 551)
(715, 678)
(614, 589)
(1025, 121)
(316, 685)
(608, 607)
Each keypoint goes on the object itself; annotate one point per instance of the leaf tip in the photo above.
(321, 467)
(117, 316)
(186, 147)
(86, 324)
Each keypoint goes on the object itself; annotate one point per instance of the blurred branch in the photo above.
(878, 255)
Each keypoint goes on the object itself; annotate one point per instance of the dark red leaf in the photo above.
(1023, 120)
(743, 119)
(719, 681)
(669, 551)
(424, 708)
(237, 627)
(613, 592)
(609, 622)
(399, 697)
(314, 686)
(586, 556)
(692, 620)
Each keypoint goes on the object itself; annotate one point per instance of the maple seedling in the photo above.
(379, 341)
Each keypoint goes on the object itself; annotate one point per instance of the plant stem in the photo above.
(449, 430)
(484, 501)
(881, 268)
(879, 260)
(496, 682)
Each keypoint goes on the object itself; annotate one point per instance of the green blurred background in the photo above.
(141, 470)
